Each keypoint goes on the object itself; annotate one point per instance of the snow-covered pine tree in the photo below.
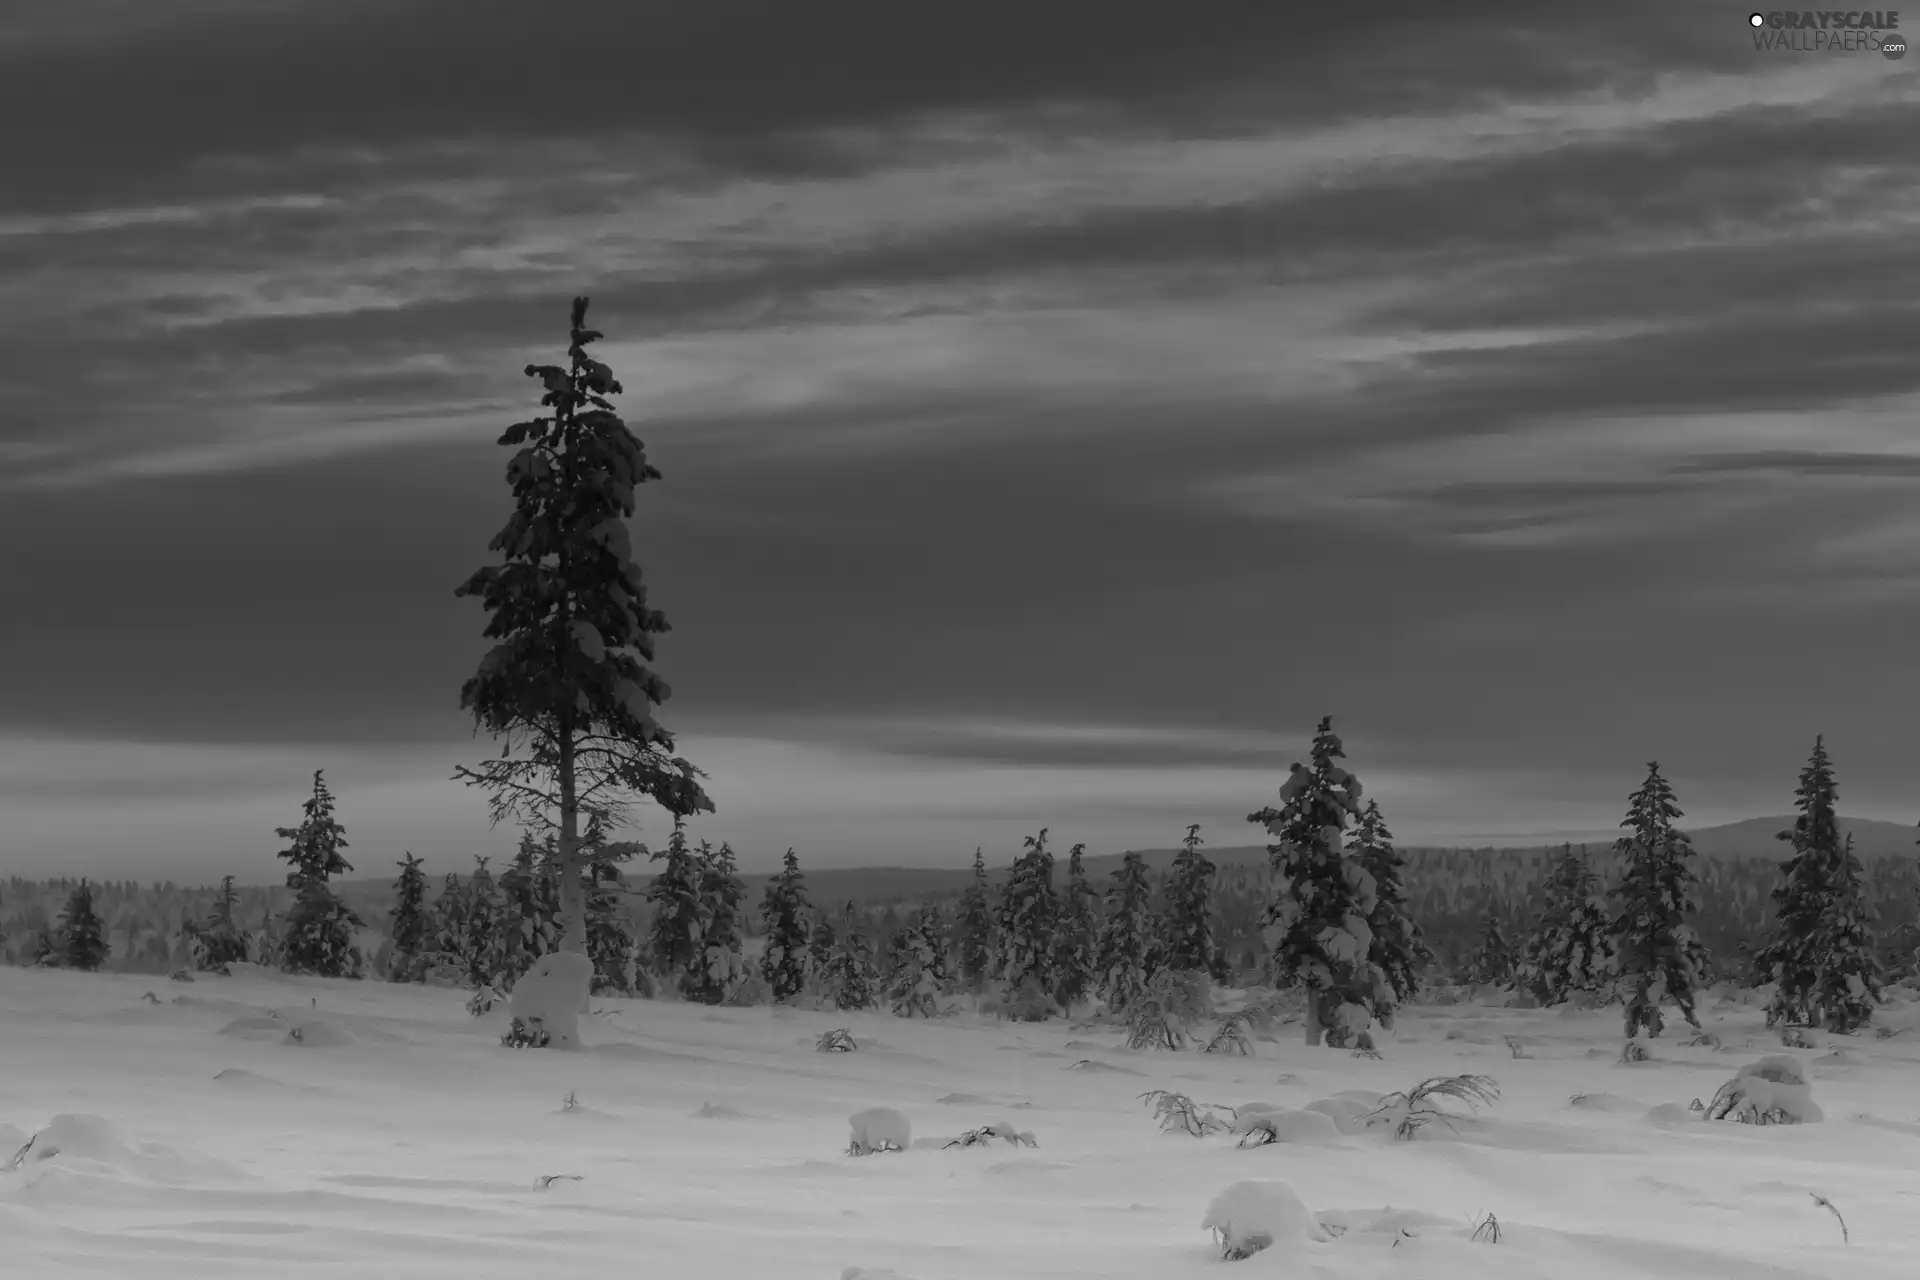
(480, 932)
(217, 941)
(1126, 947)
(525, 929)
(783, 913)
(919, 970)
(567, 685)
(723, 961)
(851, 974)
(1075, 961)
(1187, 918)
(46, 950)
(319, 927)
(1570, 947)
(1316, 926)
(822, 942)
(81, 932)
(974, 927)
(408, 926)
(1824, 976)
(1029, 916)
(447, 938)
(1659, 957)
(1399, 950)
(610, 945)
(676, 938)
(1491, 962)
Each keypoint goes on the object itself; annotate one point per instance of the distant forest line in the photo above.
(1449, 892)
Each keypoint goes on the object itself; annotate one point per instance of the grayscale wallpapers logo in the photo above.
(1830, 31)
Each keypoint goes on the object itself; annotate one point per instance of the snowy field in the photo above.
(395, 1137)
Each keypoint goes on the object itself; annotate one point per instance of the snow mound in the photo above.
(1772, 1088)
(242, 1080)
(94, 1147)
(1668, 1114)
(1251, 1216)
(964, 1100)
(11, 1140)
(877, 1129)
(869, 1273)
(1094, 1065)
(1286, 1124)
(552, 995)
(1348, 1110)
(718, 1111)
(1602, 1102)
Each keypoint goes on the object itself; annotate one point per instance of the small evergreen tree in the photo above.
(1824, 974)
(480, 936)
(919, 967)
(449, 926)
(1491, 963)
(1076, 959)
(676, 939)
(1126, 946)
(851, 974)
(529, 900)
(218, 941)
(822, 944)
(1188, 915)
(1398, 949)
(1660, 958)
(408, 925)
(1316, 926)
(783, 913)
(1570, 948)
(1029, 917)
(46, 950)
(81, 932)
(723, 963)
(319, 927)
(975, 928)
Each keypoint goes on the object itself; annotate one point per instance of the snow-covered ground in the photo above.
(396, 1137)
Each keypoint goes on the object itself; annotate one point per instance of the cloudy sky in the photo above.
(1062, 406)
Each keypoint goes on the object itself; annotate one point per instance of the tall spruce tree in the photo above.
(408, 926)
(449, 927)
(677, 936)
(567, 684)
(1316, 926)
(783, 913)
(975, 927)
(919, 968)
(1398, 949)
(1571, 946)
(1188, 915)
(319, 927)
(1821, 952)
(1659, 956)
(1126, 947)
(1491, 962)
(1075, 961)
(1029, 915)
(82, 934)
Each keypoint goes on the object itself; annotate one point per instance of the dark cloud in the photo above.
(1806, 462)
(750, 84)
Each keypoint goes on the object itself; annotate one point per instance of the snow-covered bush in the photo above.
(1250, 1216)
(1773, 1090)
(551, 996)
(878, 1129)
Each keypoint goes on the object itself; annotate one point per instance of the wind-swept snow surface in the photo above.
(395, 1137)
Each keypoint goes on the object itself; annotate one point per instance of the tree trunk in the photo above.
(1314, 1029)
(573, 898)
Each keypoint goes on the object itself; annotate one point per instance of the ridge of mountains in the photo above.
(1749, 839)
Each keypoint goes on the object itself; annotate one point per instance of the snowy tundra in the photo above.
(264, 1125)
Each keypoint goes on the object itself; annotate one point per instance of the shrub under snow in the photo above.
(878, 1129)
(552, 995)
(1250, 1216)
(1773, 1090)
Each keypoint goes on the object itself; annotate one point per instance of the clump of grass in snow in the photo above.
(1419, 1106)
(1178, 1111)
(1488, 1232)
(1827, 1204)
